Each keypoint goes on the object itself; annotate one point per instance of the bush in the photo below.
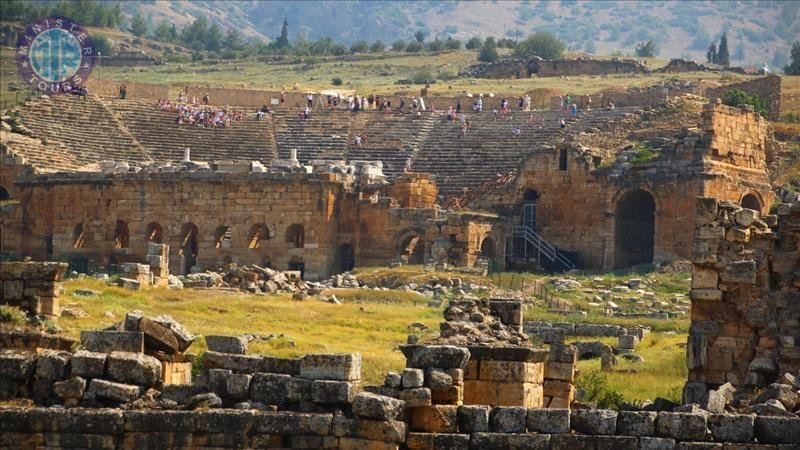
(791, 117)
(646, 49)
(488, 52)
(593, 387)
(377, 47)
(422, 77)
(453, 44)
(643, 154)
(13, 316)
(359, 47)
(541, 44)
(336, 81)
(474, 43)
(398, 45)
(415, 47)
(735, 97)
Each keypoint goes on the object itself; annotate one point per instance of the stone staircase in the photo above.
(247, 139)
(88, 131)
(326, 135)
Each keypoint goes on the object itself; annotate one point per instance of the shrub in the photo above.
(643, 154)
(474, 43)
(791, 117)
(593, 387)
(541, 44)
(422, 77)
(377, 47)
(398, 45)
(11, 315)
(359, 47)
(336, 81)
(734, 97)
(646, 49)
(415, 47)
(488, 51)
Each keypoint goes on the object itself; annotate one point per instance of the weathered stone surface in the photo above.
(594, 421)
(636, 423)
(509, 419)
(238, 363)
(52, 365)
(110, 341)
(269, 388)
(682, 426)
(473, 418)
(181, 334)
(287, 366)
(374, 430)
(784, 393)
(157, 336)
(224, 421)
(778, 430)
(654, 443)
(293, 423)
(298, 389)
(378, 407)
(181, 393)
(205, 400)
(435, 418)
(133, 368)
(342, 367)
(438, 356)
(393, 379)
(438, 379)
(731, 427)
(550, 421)
(413, 378)
(330, 391)
(572, 442)
(227, 344)
(88, 364)
(159, 421)
(238, 385)
(111, 391)
(70, 389)
(16, 365)
(416, 397)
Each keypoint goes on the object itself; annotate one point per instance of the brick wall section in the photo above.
(734, 135)
(32, 286)
(744, 321)
(415, 190)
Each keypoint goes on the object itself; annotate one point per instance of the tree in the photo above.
(738, 54)
(359, 47)
(723, 56)
(377, 47)
(436, 45)
(646, 49)
(213, 39)
(488, 51)
(711, 53)
(233, 40)
(735, 97)
(138, 25)
(398, 45)
(194, 34)
(173, 33)
(420, 36)
(453, 44)
(162, 31)
(541, 44)
(474, 43)
(415, 47)
(793, 68)
(102, 45)
(283, 41)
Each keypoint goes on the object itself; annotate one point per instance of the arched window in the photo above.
(487, 248)
(258, 233)
(121, 235)
(412, 248)
(154, 233)
(296, 235)
(4, 195)
(222, 237)
(189, 247)
(77, 236)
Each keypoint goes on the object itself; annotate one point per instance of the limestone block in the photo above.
(341, 367)
(636, 423)
(416, 397)
(682, 426)
(157, 336)
(438, 379)
(238, 385)
(218, 381)
(88, 364)
(393, 379)
(731, 427)
(627, 341)
(739, 272)
(705, 294)
(655, 443)
(435, 418)
(559, 371)
(52, 365)
(413, 378)
(549, 421)
(451, 395)
(133, 368)
(181, 393)
(227, 344)
(109, 341)
(16, 365)
(704, 278)
(70, 389)
(737, 235)
(745, 217)
(176, 372)
(378, 407)
(269, 388)
(238, 363)
(777, 430)
(108, 390)
(373, 430)
(507, 419)
(330, 391)
(438, 356)
(436, 441)
(347, 443)
(293, 423)
(594, 421)
(473, 419)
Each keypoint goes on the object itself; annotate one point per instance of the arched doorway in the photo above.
(529, 200)
(347, 257)
(189, 247)
(153, 233)
(488, 249)
(78, 238)
(259, 233)
(412, 249)
(121, 235)
(750, 201)
(296, 235)
(634, 229)
(4, 195)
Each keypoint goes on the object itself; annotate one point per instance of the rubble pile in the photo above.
(478, 322)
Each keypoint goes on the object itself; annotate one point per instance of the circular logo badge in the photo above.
(55, 55)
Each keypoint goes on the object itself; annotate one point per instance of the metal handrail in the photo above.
(544, 247)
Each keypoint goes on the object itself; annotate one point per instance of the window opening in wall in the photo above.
(295, 234)
(750, 201)
(562, 159)
(4, 195)
(121, 235)
(77, 236)
(258, 233)
(153, 233)
(222, 237)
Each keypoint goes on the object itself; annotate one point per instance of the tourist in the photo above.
(530, 120)
(407, 167)
(568, 100)
(363, 104)
(526, 103)
(206, 99)
(574, 110)
(521, 103)
(480, 104)
(515, 131)
(494, 114)
(563, 123)
(561, 103)
(414, 104)
(181, 97)
(310, 100)
(467, 125)
(458, 106)
(402, 103)
(123, 91)
(307, 112)
(588, 102)
(357, 141)
(282, 98)
(610, 105)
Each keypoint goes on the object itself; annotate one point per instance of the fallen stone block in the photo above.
(206, 400)
(110, 341)
(393, 380)
(134, 368)
(238, 363)
(329, 391)
(52, 365)
(182, 335)
(227, 344)
(88, 364)
(378, 407)
(158, 337)
(436, 356)
(180, 394)
(339, 367)
(100, 389)
(416, 397)
(70, 389)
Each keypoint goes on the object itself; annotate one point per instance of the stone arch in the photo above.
(122, 235)
(347, 257)
(189, 247)
(752, 200)
(258, 234)
(154, 233)
(488, 248)
(4, 195)
(222, 236)
(411, 246)
(296, 235)
(634, 228)
(78, 236)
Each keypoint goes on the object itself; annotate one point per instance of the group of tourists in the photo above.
(202, 116)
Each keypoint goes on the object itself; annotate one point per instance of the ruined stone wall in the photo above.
(768, 88)
(580, 66)
(744, 291)
(136, 89)
(414, 190)
(33, 287)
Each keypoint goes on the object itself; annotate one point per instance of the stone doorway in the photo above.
(488, 250)
(347, 258)
(189, 247)
(634, 229)
(412, 249)
(750, 201)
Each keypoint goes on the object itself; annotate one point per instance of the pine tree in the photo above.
(723, 56)
(138, 25)
(711, 53)
(488, 51)
(283, 41)
(793, 68)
